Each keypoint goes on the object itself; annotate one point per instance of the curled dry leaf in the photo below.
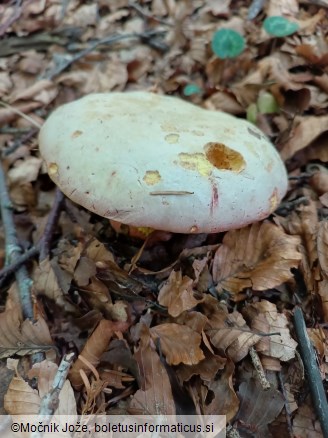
(225, 400)
(322, 246)
(266, 319)
(22, 337)
(24, 171)
(50, 280)
(304, 223)
(323, 292)
(230, 334)
(43, 91)
(177, 294)
(179, 343)
(259, 256)
(155, 395)
(95, 346)
(305, 131)
(207, 368)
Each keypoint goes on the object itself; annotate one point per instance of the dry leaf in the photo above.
(179, 343)
(177, 294)
(95, 346)
(258, 407)
(265, 319)
(207, 368)
(259, 256)
(225, 400)
(230, 334)
(52, 282)
(22, 337)
(155, 395)
(305, 130)
(24, 171)
(21, 399)
(322, 246)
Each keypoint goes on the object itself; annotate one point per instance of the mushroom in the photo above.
(157, 161)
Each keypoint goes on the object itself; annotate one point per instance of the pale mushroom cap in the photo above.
(158, 161)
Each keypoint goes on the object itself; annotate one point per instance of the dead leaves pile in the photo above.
(168, 326)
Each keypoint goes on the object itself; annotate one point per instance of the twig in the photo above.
(45, 241)
(13, 249)
(255, 8)
(50, 401)
(311, 367)
(27, 135)
(259, 369)
(43, 246)
(291, 205)
(232, 432)
(288, 413)
(104, 41)
(141, 11)
(20, 260)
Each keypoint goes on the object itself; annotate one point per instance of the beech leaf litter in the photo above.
(172, 323)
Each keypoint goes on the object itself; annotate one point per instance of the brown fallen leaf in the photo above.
(323, 293)
(305, 130)
(207, 368)
(155, 395)
(225, 400)
(259, 256)
(53, 282)
(304, 223)
(177, 294)
(22, 337)
(265, 319)
(95, 346)
(179, 343)
(258, 407)
(21, 399)
(230, 334)
(322, 246)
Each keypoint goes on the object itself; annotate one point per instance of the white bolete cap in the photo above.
(157, 161)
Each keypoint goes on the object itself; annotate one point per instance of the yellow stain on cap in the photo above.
(196, 161)
(52, 169)
(172, 138)
(224, 158)
(274, 200)
(152, 177)
(76, 134)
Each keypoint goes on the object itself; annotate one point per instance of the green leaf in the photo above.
(267, 103)
(251, 113)
(191, 89)
(227, 43)
(279, 26)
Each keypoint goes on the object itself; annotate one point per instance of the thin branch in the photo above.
(45, 241)
(259, 369)
(311, 367)
(50, 401)
(20, 260)
(13, 249)
(43, 246)
(141, 11)
(104, 41)
(255, 8)
(287, 408)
